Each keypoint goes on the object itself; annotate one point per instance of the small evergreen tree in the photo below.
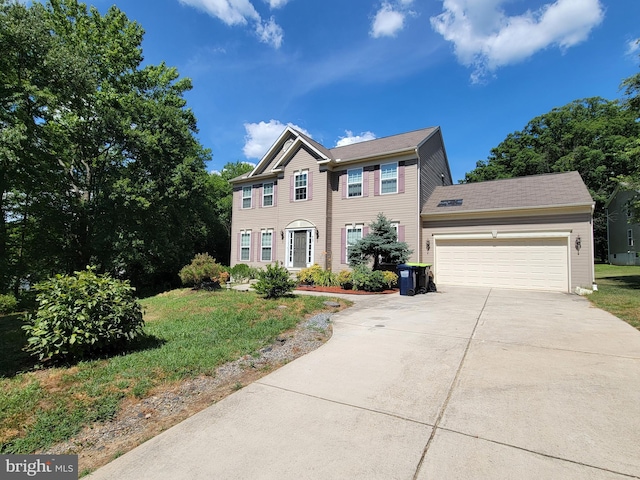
(380, 243)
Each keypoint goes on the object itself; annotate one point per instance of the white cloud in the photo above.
(261, 136)
(633, 46)
(350, 138)
(486, 38)
(273, 4)
(242, 12)
(389, 20)
(270, 33)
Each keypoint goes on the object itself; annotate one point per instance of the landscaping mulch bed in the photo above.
(313, 288)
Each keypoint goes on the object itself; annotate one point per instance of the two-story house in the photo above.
(622, 230)
(304, 203)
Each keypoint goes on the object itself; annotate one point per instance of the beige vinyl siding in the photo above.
(398, 207)
(578, 223)
(433, 164)
(313, 211)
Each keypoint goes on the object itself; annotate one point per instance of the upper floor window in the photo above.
(389, 178)
(354, 182)
(300, 185)
(630, 238)
(266, 244)
(246, 197)
(245, 246)
(267, 195)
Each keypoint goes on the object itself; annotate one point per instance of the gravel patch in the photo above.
(140, 419)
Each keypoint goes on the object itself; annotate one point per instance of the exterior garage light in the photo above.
(578, 244)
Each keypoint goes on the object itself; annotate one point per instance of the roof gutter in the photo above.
(507, 209)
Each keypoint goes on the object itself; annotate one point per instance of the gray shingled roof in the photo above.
(369, 148)
(381, 146)
(324, 150)
(535, 191)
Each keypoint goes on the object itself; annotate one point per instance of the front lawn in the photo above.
(619, 292)
(188, 334)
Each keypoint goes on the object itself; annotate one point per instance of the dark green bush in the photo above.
(274, 281)
(203, 272)
(366, 279)
(8, 304)
(81, 315)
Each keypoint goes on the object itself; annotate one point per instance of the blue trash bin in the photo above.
(407, 279)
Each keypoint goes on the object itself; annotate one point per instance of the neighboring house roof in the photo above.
(535, 191)
(380, 147)
(621, 187)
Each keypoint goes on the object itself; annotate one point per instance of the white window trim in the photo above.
(361, 182)
(250, 197)
(247, 247)
(264, 195)
(396, 178)
(352, 226)
(630, 241)
(263, 247)
(306, 186)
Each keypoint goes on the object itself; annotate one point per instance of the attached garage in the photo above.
(532, 233)
(523, 263)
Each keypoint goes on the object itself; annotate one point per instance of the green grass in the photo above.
(188, 334)
(619, 292)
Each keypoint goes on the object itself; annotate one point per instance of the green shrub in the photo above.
(325, 278)
(345, 279)
(310, 274)
(391, 278)
(203, 272)
(8, 304)
(241, 272)
(82, 314)
(274, 281)
(366, 279)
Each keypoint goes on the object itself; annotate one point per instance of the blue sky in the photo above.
(356, 69)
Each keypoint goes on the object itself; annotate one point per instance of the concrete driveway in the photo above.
(462, 384)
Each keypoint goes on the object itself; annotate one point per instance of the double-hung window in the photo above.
(245, 246)
(354, 233)
(267, 195)
(267, 245)
(389, 178)
(354, 182)
(300, 185)
(246, 197)
(629, 238)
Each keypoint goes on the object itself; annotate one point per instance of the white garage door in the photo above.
(524, 263)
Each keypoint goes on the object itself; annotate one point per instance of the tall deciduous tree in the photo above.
(100, 160)
(631, 88)
(592, 136)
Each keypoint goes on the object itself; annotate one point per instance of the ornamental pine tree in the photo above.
(380, 244)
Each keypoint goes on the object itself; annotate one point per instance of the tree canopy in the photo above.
(379, 245)
(593, 136)
(100, 162)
